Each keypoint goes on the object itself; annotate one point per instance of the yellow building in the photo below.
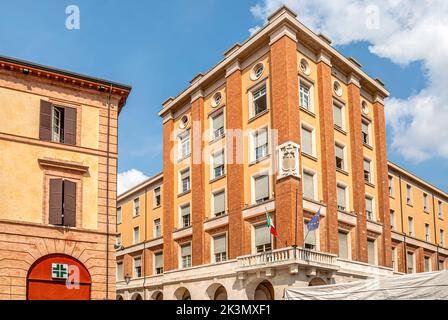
(284, 124)
(58, 160)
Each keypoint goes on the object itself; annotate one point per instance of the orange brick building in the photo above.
(58, 160)
(284, 124)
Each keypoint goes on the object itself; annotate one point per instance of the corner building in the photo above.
(58, 165)
(284, 124)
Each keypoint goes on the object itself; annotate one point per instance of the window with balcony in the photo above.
(343, 245)
(260, 143)
(339, 151)
(185, 252)
(259, 101)
(367, 171)
(185, 181)
(184, 145)
(307, 140)
(158, 262)
(218, 164)
(261, 188)
(262, 238)
(365, 128)
(157, 197)
(185, 216)
(137, 267)
(309, 185)
(411, 226)
(369, 208)
(136, 235)
(220, 248)
(157, 228)
(136, 211)
(218, 126)
(341, 197)
(309, 238)
(219, 203)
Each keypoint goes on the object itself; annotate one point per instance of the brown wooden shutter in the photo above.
(45, 120)
(55, 202)
(69, 203)
(70, 126)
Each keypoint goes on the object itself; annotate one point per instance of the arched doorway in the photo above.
(182, 294)
(137, 296)
(317, 282)
(220, 294)
(58, 277)
(119, 297)
(158, 295)
(264, 291)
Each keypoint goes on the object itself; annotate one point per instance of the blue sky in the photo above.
(157, 47)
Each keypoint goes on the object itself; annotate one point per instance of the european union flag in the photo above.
(314, 222)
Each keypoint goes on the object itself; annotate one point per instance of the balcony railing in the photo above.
(286, 256)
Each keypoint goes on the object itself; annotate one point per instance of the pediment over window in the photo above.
(63, 165)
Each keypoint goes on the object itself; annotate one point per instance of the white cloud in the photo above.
(404, 32)
(129, 179)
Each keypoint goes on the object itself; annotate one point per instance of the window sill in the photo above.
(184, 158)
(370, 184)
(214, 140)
(368, 146)
(409, 204)
(136, 216)
(183, 193)
(217, 178)
(309, 112)
(339, 129)
(157, 207)
(342, 171)
(309, 156)
(260, 160)
(258, 116)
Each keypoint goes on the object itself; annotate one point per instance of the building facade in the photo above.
(287, 125)
(58, 160)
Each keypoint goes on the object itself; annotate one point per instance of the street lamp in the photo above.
(127, 278)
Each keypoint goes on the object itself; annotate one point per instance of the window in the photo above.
(118, 215)
(119, 239)
(305, 97)
(261, 188)
(391, 186)
(217, 98)
(441, 265)
(442, 238)
(262, 238)
(183, 122)
(341, 197)
(185, 181)
(158, 262)
(343, 245)
(157, 228)
(427, 235)
(394, 259)
(218, 164)
(218, 126)
(337, 88)
(367, 169)
(157, 197)
(184, 145)
(62, 203)
(136, 235)
(185, 252)
(309, 237)
(338, 115)
(411, 226)
(136, 211)
(307, 141)
(261, 143)
(219, 203)
(185, 216)
(410, 261)
(220, 248)
(257, 71)
(425, 202)
(57, 124)
(365, 127)
(408, 194)
(339, 151)
(427, 264)
(371, 251)
(137, 267)
(369, 208)
(308, 185)
(439, 205)
(392, 219)
(120, 271)
(259, 101)
(57, 133)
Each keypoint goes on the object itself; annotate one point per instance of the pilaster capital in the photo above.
(324, 57)
(378, 98)
(232, 67)
(354, 79)
(283, 30)
(199, 93)
(167, 117)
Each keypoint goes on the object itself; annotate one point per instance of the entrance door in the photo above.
(58, 277)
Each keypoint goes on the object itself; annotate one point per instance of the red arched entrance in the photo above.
(58, 277)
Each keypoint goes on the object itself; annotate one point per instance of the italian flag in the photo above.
(270, 225)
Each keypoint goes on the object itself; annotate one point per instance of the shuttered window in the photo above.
(218, 164)
(185, 252)
(62, 203)
(261, 185)
(219, 203)
(339, 152)
(137, 267)
(341, 197)
(343, 245)
(218, 125)
(262, 238)
(158, 262)
(120, 271)
(307, 141)
(308, 185)
(220, 248)
(337, 114)
(185, 216)
(57, 124)
(371, 251)
(261, 143)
